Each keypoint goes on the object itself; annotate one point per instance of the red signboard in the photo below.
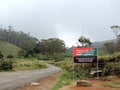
(85, 55)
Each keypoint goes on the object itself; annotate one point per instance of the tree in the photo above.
(1, 55)
(21, 39)
(51, 46)
(110, 47)
(85, 42)
(116, 30)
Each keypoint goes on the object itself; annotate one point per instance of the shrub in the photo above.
(111, 69)
(6, 64)
(21, 53)
(1, 55)
(10, 56)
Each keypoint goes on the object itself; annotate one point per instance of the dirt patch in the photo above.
(96, 85)
(45, 83)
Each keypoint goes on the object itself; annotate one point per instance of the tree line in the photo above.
(31, 44)
(113, 46)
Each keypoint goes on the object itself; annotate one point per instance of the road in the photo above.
(13, 80)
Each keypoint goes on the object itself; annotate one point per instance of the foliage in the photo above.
(21, 53)
(67, 55)
(84, 41)
(6, 64)
(61, 81)
(116, 30)
(1, 56)
(109, 47)
(111, 64)
(70, 73)
(50, 46)
(8, 49)
(20, 39)
(110, 58)
(10, 56)
(25, 64)
(55, 57)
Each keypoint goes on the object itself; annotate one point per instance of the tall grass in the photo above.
(26, 64)
(70, 73)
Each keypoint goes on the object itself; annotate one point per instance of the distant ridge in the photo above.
(100, 44)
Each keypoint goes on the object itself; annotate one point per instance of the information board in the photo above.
(85, 55)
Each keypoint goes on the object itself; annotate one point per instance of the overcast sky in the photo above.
(64, 19)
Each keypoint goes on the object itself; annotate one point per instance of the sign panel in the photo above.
(85, 55)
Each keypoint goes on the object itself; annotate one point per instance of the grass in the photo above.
(62, 81)
(71, 72)
(25, 64)
(8, 49)
(113, 84)
(102, 53)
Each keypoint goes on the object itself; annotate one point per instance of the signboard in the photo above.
(85, 55)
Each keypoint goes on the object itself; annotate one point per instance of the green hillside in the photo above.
(8, 49)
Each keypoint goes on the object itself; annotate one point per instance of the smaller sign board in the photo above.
(85, 55)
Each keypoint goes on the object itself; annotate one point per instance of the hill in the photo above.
(8, 49)
(100, 44)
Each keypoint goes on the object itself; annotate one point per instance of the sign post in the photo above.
(86, 55)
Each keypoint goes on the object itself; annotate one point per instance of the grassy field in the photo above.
(8, 49)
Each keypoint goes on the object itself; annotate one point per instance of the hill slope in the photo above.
(100, 44)
(8, 49)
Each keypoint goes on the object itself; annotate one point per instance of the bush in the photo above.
(21, 53)
(1, 55)
(10, 56)
(111, 69)
(6, 64)
(111, 58)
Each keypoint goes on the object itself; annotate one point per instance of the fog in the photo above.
(64, 19)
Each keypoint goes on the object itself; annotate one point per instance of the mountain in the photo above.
(8, 49)
(100, 44)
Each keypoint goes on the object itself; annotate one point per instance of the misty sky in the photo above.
(64, 19)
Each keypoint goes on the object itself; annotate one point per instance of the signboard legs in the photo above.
(97, 68)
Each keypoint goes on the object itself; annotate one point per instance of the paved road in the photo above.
(13, 80)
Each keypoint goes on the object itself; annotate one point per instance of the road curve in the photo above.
(13, 80)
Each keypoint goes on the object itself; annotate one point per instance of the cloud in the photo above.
(65, 19)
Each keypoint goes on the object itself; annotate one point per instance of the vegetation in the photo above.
(50, 46)
(25, 64)
(109, 47)
(20, 64)
(62, 81)
(8, 49)
(29, 53)
(116, 30)
(70, 73)
(112, 84)
(6, 64)
(85, 42)
(20, 39)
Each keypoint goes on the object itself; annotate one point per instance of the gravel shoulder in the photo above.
(13, 80)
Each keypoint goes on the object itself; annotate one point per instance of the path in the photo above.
(13, 80)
